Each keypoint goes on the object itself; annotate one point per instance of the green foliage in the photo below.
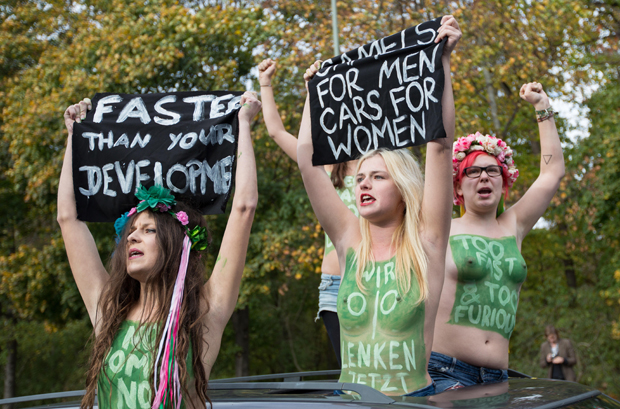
(580, 314)
(584, 238)
(50, 358)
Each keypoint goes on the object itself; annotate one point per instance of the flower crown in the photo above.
(158, 198)
(486, 143)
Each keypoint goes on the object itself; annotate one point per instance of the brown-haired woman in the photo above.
(342, 177)
(129, 302)
(558, 355)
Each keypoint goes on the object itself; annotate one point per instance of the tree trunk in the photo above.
(241, 324)
(488, 82)
(569, 266)
(569, 271)
(488, 85)
(291, 344)
(9, 372)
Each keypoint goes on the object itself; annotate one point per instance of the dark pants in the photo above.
(332, 325)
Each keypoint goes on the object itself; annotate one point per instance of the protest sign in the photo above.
(184, 141)
(384, 94)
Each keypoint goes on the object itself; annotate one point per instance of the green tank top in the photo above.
(490, 274)
(124, 381)
(347, 195)
(381, 330)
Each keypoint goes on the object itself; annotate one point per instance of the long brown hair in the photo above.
(339, 172)
(121, 292)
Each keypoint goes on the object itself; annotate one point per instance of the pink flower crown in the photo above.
(486, 143)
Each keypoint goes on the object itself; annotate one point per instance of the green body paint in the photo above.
(347, 195)
(126, 372)
(219, 257)
(381, 331)
(490, 274)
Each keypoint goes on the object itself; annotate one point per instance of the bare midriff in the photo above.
(478, 307)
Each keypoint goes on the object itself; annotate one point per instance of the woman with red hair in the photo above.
(484, 266)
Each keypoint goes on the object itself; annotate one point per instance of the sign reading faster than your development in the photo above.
(183, 141)
(383, 94)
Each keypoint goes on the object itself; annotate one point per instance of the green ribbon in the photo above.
(199, 237)
(153, 196)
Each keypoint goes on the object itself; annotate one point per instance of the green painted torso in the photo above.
(381, 330)
(347, 195)
(126, 371)
(490, 274)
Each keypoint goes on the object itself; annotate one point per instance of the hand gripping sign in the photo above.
(383, 94)
(184, 141)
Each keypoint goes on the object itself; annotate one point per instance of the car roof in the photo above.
(295, 390)
(520, 391)
(515, 393)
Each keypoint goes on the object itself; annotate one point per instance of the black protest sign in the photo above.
(384, 94)
(184, 141)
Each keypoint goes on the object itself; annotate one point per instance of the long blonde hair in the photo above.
(410, 255)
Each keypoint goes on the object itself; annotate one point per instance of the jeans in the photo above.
(328, 294)
(450, 373)
(425, 391)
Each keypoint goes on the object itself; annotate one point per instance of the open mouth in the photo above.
(366, 199)
(133, 253)
(484, 191)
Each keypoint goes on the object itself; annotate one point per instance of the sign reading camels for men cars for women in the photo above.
(183, 141)
(383, 94)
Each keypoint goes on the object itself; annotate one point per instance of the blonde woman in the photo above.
(391, 259)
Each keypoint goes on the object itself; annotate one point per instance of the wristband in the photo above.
(544, 114)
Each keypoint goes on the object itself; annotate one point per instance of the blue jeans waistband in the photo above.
(329, 280)
(328, 293)
(480, 374)
(425, 391)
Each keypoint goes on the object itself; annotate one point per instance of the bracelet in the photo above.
(544, 114)
(265, 86)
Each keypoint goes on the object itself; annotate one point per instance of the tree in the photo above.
(50, 59)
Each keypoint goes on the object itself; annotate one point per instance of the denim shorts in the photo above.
(450, 373)
(425, 391)
(328, 293)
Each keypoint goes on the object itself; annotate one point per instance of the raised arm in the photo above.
(88, 270)
(223, 286)
(534, 202)
(337, 220)
(437, 201)
(275, 127)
